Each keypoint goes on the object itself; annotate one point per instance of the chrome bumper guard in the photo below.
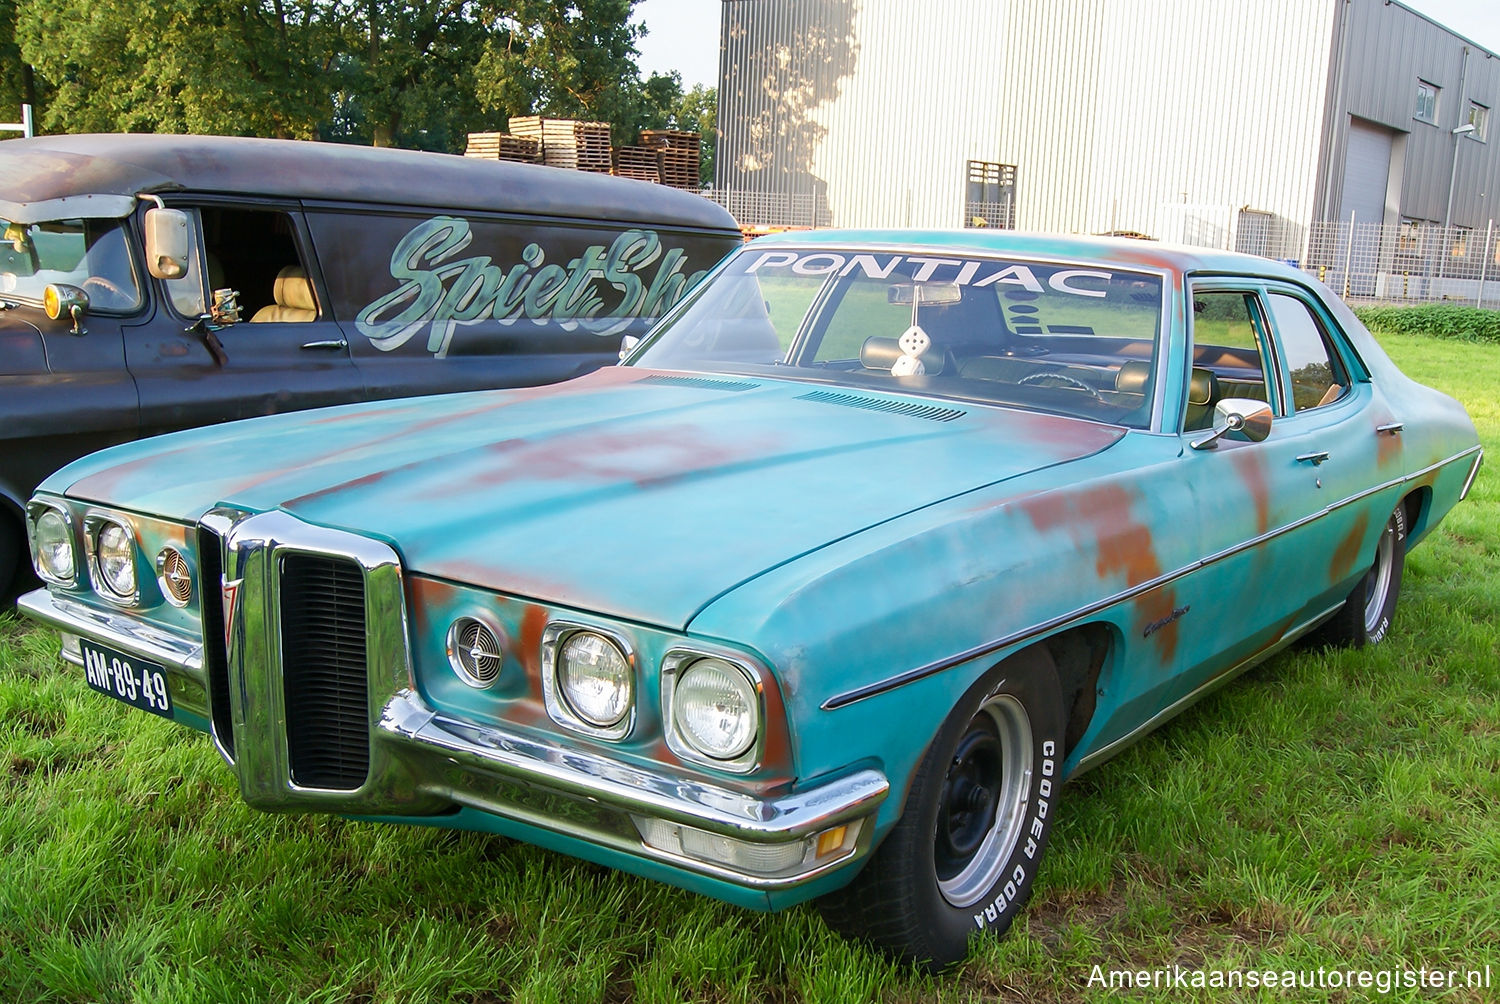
(425, 763)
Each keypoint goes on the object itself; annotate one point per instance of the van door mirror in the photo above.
(168, 242)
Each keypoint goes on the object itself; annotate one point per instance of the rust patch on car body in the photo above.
(1251, 466)
(1346, 555)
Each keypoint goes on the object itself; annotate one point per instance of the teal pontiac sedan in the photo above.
(863, 550)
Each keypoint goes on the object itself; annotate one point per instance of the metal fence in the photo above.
(1406, 263)
(1363, 262)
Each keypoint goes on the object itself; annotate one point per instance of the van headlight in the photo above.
(53, 537)
(588, 680)
(715, 712)
(114, 559)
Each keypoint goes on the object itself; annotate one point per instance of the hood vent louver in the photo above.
(701, 383)
(911, 409)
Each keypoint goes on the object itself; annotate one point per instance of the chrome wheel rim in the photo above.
(1380, 579)
(985, 795)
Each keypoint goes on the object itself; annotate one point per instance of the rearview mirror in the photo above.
(1239, 418)
(924, 292)
(167, 243)
(628, 344)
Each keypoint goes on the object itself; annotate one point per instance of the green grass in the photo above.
(1333, 810)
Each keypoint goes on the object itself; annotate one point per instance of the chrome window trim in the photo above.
(34, 509)
(679, 658)
(1026, 634)
(554, 636)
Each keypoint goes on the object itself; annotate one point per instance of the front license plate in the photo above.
(138, 683)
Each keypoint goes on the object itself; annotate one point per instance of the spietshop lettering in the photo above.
(601, 290)
(958, 271)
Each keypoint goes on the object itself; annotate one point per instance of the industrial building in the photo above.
(1260, 125)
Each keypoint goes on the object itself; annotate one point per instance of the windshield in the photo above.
(90, 254)
(1073, 339)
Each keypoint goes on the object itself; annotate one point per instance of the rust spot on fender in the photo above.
(1102, 517)
(533, 622)
(1346, 557)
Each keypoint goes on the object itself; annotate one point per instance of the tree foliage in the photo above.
(417, 73)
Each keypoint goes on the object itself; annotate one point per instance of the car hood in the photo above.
(631, 493)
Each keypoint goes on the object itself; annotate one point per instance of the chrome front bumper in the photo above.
(426, 764)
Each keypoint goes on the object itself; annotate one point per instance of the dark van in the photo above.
(149, 283)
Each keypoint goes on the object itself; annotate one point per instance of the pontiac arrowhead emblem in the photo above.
(231, 593)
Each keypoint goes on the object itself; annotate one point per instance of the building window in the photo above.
(990, 195)
(1479, 118)
(1427, 96)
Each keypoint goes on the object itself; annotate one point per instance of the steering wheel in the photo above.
(105, 285)
(1063, 378)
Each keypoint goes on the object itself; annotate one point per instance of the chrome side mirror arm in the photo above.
(1244, 419)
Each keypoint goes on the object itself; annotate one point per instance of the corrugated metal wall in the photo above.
(1158, 116)
(1388, 49)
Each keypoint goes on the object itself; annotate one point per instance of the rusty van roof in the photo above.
(53, 177)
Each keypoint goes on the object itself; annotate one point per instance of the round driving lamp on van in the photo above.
(59, 299)
(114, 558)
(54, 547)
(715, 708)
(595, 679)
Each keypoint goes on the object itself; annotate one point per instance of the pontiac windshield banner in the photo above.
(601, 291)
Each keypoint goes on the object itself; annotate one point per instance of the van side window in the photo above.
(255, 252)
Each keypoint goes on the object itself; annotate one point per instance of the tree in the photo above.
(180, 65)
(698, 111)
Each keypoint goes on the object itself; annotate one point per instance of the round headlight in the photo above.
(715, 709)
(595, 678)
(54, 546)
(114, 554)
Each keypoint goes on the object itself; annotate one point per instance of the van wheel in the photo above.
(1365, 617)
(963, 857)
(10, 554)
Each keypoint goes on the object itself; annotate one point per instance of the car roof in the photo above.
(69, 170)
(1122, 251)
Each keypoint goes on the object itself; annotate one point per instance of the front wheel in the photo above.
(1365, 617)
(963, 857)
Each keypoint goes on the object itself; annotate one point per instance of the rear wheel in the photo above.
(963, 857)
(1365, 617)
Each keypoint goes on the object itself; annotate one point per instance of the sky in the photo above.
(684, 34)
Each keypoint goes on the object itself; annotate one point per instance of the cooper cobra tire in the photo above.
(1365, 617)
(963, 857)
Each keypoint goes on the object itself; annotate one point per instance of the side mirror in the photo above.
(628, 344)
(58, 298)
(1241, 418)
(168, 243)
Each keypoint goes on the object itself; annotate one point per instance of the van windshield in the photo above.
(90, 254)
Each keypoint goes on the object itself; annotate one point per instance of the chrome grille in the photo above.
(324, 671)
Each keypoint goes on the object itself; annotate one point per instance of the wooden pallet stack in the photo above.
(503, 146)
(579, 146)
(680, 152)
(638, 162)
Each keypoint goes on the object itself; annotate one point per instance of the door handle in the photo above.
(1315, 459)
(331, 344)
(1394, 428)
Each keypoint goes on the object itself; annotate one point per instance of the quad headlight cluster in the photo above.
(103, 551)
(711, 704)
